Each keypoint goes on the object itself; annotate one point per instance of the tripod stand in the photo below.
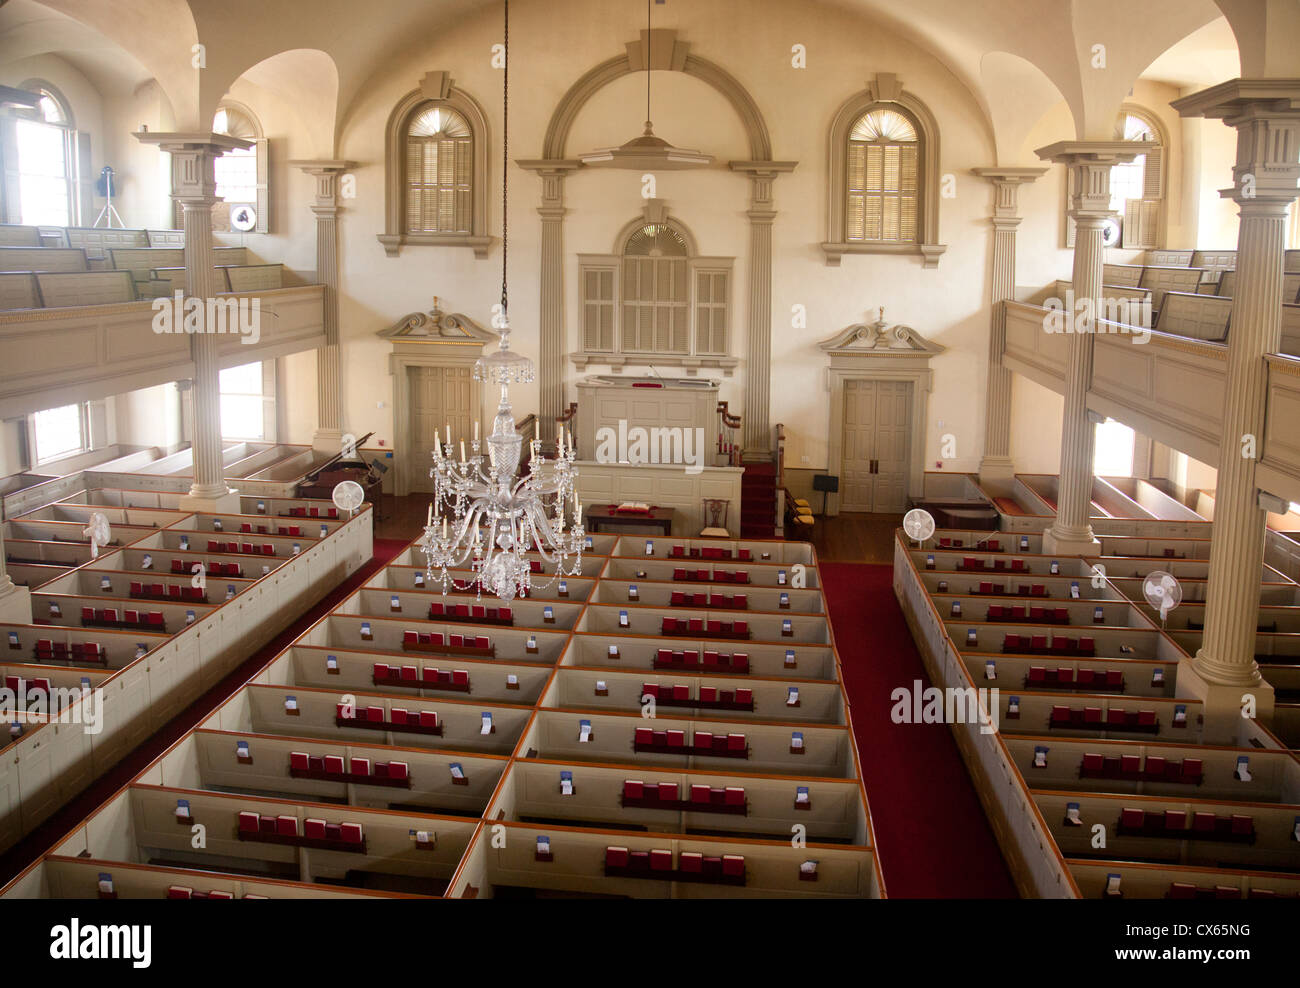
(109, 213)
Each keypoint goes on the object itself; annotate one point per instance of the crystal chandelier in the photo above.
(484, 516)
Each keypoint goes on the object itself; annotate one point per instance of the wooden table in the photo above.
(594, 517)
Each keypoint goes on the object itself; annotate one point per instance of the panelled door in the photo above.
(440, 396)
(877, 445)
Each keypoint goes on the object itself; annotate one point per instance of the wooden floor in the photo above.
(846, 538)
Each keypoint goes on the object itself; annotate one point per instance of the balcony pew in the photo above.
(48, 259)
(762, 659)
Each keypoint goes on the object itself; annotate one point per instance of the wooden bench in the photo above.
(14, 235)
(1170, 258)
(43, 259)
(1163, 280)
(18, 290)
(97, 240)
(1126, 275)
(140, 261)
(1201, 317)
(254, 277)
(166, 238)
(86, 288)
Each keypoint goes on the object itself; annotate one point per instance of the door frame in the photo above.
(879, 352)
(911, 438)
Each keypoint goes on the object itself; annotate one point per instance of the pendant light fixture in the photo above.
(647, 152)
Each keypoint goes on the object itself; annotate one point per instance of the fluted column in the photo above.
(996, 464)
(1090, 162)
(329, 375)
(550, 364)
(1266, 115)
(194, 187)
(756, 423)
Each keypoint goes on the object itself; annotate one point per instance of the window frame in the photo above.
(1145, 220)
(612, 267)
(78, 182)
(84, 426)
(268, 396)
(435, 89)
(262, 187)
(885, 92)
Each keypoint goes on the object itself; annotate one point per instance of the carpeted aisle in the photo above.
(934, 841)
(64, 820)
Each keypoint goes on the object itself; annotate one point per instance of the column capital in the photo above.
(1090, 163)
(1006, 183)
(552, 172)
(193, 180)
(326, 172)
(761, 175)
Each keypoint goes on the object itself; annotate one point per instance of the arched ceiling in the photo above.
(1005, 52)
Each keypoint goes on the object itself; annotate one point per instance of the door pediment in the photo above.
(437, 328)
(864, 343)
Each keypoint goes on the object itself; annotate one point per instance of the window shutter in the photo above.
(598, 309)
(10, 194)
(263, 198)
(1142, 223)
(83, 208)
(1153, 180)
(1132, 223)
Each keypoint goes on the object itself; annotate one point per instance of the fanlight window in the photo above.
(236, 170)
(439, 169)
(883, 166)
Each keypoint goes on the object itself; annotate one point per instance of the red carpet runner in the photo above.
(64, 820)
(933, 838)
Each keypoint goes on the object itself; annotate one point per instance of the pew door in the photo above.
(877, 446)
(439, 396)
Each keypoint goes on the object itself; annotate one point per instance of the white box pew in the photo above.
(1274, 649)
(1214, 262)
(1194, 591)
(1194, 569)
(1274, 845)
(827, 750)
(97, 241)
(1109, 643)
(68, 610)
(78, 878)
(1127, 275)
(116, 648)
(16, 235)
(1153, 496)
(1081, 613)
(1286, 724)
(1154, 548)
(506, 644)
(43, 259)
(1012, 673)
(1201, 317)
(1176, 720)
(70, 511)
(60, 677)
(426, 782)
(166, 238)
(651, 594)
(765, 659)
(1274, 775)
(1138, 880)
(140, 261)
(762, 627)
(389, 846)
(38, 530)
(121, 585)
(255, 277)
(1190, 616)
(18, 290)
(1161, 280)
(32, 575)
(49, 553)
(470, 880)
(976, 565)
(817, 702)
(1056, 589)
(771, 869)
(834, 810)
(460, 720)
(1169, 258)
(344, 669)
(713, 570)
(985, 541)
(741, 550)
(1121, 303)
(415, 605)
(1290, 285)
(67, 288)
(400, 578)
(1115, 502)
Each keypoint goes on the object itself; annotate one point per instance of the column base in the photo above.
(1222, 716)
(1071, 543)
(997, 470)
(15, 603)
(217, 504)
(327, 440)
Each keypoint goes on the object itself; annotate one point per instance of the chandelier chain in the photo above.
(505, 156)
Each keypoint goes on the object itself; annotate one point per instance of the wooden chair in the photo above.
(715, 518)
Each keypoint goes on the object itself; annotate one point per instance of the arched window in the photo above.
(656, 297)
(439, 172)
(241, 173)
(436, 170)
(883, 167)
(884, 176)
(1137, 187)
(43, 189)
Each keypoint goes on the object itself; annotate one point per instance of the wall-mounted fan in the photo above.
(243, 217)
(98, 531)
(347, 496)
(1162, 592)
(919, 525)
(1111, 232)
